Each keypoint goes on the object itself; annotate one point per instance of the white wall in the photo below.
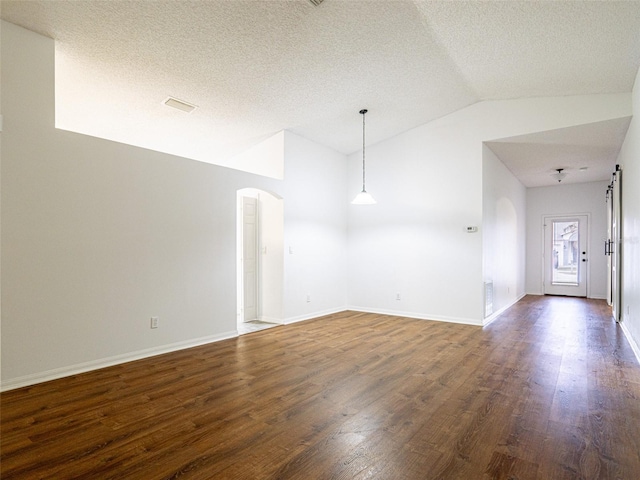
(503, 231)
(97, 236)
(630, 163)
(566, 200)
(271, 258)
(265, 158)
(315, 229)
(428, 184)
(413, 241)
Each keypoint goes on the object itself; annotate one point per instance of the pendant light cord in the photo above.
(363, 198)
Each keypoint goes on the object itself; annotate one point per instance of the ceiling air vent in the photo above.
(316, 2)
(180, 105)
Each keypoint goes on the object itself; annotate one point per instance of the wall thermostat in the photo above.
(472, 229)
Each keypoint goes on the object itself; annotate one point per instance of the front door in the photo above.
(565, 259)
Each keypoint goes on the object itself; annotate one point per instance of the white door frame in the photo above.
(614, 244)
(582, 289)
(607, 244)
(250, 259)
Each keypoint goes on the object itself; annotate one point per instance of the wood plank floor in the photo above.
(550, 390)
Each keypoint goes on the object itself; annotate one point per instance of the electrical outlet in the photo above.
(308, 298)
(154, 322)
(397, 296)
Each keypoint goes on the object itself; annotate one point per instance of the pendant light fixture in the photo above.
(363, 198)
(559, 175)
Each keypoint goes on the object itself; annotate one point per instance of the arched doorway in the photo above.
(260, 259)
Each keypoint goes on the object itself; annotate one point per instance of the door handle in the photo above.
(608, 247)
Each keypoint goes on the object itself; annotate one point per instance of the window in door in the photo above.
(566, 239)
(565, 255)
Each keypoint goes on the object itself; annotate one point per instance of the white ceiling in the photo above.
(586, 153)
(257, 67)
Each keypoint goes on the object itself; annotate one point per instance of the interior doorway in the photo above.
(260, 260)
(565, 255)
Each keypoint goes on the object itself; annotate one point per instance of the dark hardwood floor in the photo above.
(550, 390)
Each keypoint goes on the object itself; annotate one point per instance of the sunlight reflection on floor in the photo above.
(254, 326)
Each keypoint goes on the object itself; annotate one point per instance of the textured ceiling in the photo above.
(257, 67)
(534, 158)
(512, 49)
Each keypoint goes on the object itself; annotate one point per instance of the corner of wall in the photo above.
(629, 159)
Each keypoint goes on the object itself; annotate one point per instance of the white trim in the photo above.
(61, 372)
(595, 297)
(311, 316)
(419, 316)
(598, 297)
(266, 319)
(634, 346)
(491, 318)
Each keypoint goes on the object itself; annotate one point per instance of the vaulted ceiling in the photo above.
(254, 68)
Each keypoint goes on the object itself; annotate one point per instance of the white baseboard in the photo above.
(311, 316)
(267, 319)
(61, 372)
(495, 315)
(418, 316)
(630, 339)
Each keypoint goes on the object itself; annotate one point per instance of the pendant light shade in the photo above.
(363, 198)
(559, 175)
